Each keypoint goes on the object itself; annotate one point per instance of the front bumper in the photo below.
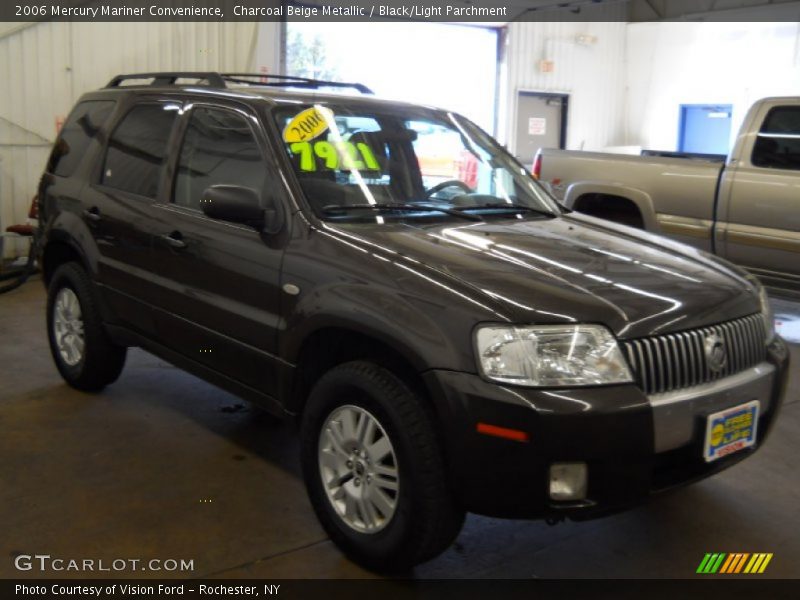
(634, 445)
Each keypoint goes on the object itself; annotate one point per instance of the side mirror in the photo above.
(234, 203)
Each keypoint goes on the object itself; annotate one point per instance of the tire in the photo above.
(424, 519)
(90, 361)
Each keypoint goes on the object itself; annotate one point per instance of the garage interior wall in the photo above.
(45, 67)
(588, 61)
(625, 81)
(669, 64)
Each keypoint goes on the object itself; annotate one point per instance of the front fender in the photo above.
(383, 315)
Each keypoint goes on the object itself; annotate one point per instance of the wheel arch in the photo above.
(326, 347)
(583, 192)
(57, 251)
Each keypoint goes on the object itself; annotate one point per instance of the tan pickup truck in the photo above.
(745, 207)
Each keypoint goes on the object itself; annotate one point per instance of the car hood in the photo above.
(573, 269)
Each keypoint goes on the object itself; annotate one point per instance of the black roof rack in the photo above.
(169, 78)
(291, 80)
(218, 80)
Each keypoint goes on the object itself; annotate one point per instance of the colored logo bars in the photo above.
(736, 562)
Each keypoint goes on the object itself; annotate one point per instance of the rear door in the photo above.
(759, 210)
(118, 208)
(219, 282)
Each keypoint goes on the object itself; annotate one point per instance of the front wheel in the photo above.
(374, 469)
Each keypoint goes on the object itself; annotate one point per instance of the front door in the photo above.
(220, 281)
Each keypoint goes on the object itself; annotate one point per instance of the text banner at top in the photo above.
(263, 10)
(491, 13)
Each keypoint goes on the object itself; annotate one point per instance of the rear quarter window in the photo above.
(82, 126)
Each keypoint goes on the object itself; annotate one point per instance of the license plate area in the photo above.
(731, 430)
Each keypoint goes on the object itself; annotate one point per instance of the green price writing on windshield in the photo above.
(335, 155)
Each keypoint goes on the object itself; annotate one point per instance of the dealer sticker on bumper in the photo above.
(731, 430)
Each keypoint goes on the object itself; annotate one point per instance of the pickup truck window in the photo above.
(137, 150)
(218, 148)
(347, 160)
(80, 129)
(778, 142)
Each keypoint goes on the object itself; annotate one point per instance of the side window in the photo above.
(218, 148)
(778, 142)
(137, 150)
(81, 128)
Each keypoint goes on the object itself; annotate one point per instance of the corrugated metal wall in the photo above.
(592, 73)
(45, 67)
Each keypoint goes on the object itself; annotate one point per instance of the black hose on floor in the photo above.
(19, 276)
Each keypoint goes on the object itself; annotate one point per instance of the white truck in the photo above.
(745, 208)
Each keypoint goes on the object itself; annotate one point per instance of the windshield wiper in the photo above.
(402, 207)
(507, 206)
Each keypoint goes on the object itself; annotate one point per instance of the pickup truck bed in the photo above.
(681, 187)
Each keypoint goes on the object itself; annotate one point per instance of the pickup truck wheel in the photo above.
(85, 357)
(374, 469)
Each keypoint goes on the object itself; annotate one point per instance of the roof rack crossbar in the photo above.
(214, 80)
(292, 80)
(218, 80)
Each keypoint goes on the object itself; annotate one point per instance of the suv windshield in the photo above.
(404, 163)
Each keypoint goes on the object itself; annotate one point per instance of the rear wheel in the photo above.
(374, 469)
(85, 357)
(612, 208)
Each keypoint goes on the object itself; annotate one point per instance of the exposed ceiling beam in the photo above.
(656, 12)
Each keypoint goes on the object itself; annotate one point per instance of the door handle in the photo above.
(92, 214)
(174, 239)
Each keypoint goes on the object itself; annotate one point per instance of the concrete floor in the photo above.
(164, 465)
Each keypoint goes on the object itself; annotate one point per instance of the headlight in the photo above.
(550, 356)
(766, 313)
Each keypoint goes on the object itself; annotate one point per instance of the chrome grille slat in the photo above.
(747, 342)
(673, 353)
(752, 329)
(693, 370)
(643, 366)
(659, 360)
(739, 348)
(672, 361)
(697, 340)
(736, 348)
(730, 349)
(760, 334)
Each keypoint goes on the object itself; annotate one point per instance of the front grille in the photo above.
(678, 360)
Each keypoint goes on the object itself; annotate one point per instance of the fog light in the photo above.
(568, 481)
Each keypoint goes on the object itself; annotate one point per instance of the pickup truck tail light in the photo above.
(536, 169)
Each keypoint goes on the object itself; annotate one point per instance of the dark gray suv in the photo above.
(449, 337)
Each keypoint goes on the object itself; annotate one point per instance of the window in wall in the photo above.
(778, 142)
(219, 148)
(439, 64)
(137, 150)
(80, 129)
